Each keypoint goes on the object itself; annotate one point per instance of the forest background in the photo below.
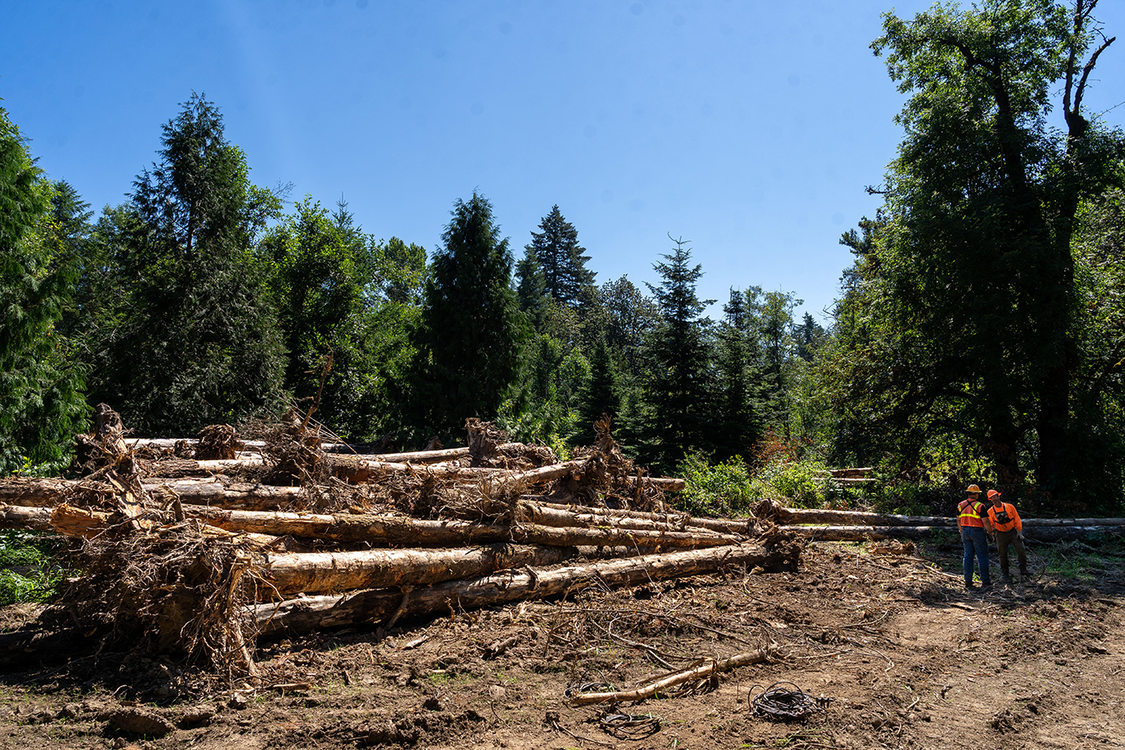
(979, 334)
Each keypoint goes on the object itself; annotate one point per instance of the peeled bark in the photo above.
(311, 613)
(322, 572)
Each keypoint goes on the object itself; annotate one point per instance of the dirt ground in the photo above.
(907, 658)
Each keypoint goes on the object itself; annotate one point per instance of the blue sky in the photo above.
(749, 128)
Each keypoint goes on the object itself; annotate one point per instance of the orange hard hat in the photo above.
(973, 488)
(992, 494)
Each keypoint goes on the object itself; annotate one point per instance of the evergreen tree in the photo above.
(470, 335)
(735, 431)
(677, 383)
(200, 341)
(40, 389)
(562, 260)
(600, 395)
(531, 289)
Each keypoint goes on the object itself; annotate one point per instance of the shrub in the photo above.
(722, 489)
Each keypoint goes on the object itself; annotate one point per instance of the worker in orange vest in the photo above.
(1008, 528)
(972, 518)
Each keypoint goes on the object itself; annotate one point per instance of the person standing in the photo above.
(972, 518)
(1009, 532)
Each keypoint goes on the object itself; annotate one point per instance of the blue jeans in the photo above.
(976, 542)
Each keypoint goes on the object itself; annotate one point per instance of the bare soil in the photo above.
(908, 658)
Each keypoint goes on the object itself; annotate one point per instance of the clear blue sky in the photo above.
(749, 128)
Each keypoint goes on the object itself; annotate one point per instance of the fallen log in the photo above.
(708, 668)
(30, 518)
(577, 515)
(82, 522)
(723, 525)
(322, 572)
(862, 533)
(421, 533)
(311, 613)
(856, 518)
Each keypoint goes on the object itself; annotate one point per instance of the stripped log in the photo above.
(862, 533)
(321, 612)
(708, 668)
(321, 572)
(82, 522)
(856, 518)
(722, 525)
(549, 514)
(421, 533)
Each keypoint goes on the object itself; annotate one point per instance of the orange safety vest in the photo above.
(1013, 521)
(969, 513)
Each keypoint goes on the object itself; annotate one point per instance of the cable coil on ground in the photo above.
(781, 704)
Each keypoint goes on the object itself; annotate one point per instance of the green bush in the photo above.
(802, 484)
(722, 489)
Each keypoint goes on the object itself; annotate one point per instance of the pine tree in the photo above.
(562, 260)
(470, 335)
(735, 430)
(531, 289)
(677, 387)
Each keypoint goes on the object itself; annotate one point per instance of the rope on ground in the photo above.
(779, 703)
(629, 726)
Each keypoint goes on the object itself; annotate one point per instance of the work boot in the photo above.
(969, 586)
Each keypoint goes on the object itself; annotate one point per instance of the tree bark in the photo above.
(301, 615)
(322, 572)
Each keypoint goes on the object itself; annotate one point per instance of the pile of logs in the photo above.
(346, 550)
(374, 538)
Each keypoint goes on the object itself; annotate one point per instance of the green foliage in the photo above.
(40, 389)
(801, 484)
(956, 329)
(723, 489)
(677, 376)
(342, 294)
(469, 340)
(194, 337)
(561, 260)
(29, 570)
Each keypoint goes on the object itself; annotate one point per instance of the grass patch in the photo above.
(29, 566)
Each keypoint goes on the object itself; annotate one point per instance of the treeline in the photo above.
(980, 331)
(201, 300)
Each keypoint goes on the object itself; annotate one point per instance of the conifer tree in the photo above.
(199, 342)
(470, 335)
(40, 390)
(677, 385)
(562, 260)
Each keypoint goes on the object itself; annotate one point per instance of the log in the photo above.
(30, 518)
(708, 668)
(857, 518)
(722, 525)
(311, 613)
(322, 572)
(358, 470)
(577, 515)
(422, 533)
(861, 533)
(350, 529)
